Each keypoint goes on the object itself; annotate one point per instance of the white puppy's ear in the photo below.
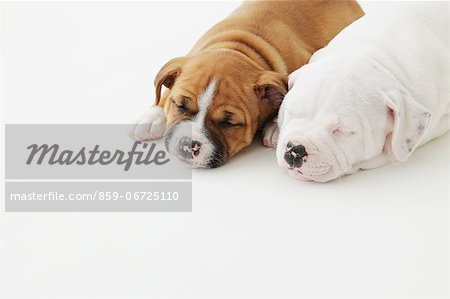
(410, 122)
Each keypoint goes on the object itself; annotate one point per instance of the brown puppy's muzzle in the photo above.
(205, 149)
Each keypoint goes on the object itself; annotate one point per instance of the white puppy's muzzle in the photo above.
(306, 159)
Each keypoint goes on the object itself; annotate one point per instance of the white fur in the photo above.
(270, 134)
(150, 126)
(339, 105)
(203, 104)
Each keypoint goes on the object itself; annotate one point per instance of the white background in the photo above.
(254, 230)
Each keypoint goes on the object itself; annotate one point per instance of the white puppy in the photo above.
(375, 93)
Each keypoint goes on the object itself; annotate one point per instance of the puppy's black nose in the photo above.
(294, 154)
(188, 148)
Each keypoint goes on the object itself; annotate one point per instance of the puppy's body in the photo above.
(412, 44)
(278, 35)
(233, 80)
(375, 93)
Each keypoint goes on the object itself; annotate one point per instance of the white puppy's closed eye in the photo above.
(339, 130)
(411, 121)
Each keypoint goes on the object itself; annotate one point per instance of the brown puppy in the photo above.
(233, 80)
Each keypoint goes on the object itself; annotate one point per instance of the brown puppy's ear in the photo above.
(167, 75)
(272, 87)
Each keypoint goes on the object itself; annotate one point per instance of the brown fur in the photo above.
(249, 54)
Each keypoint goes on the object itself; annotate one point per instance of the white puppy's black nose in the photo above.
(294, 154)
(188, 148)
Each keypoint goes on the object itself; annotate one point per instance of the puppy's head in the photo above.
(334, 122)
(214, 103)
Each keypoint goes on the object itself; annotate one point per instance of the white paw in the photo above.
(150, 126)
(270, 134)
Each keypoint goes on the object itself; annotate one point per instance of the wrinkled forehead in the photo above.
(230, 82)
(228, 88)
(330, 91)
(306, 96)
(335, 105)
(192, 85)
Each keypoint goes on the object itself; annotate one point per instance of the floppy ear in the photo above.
(411, 121)
(272, 87)
(167, 75)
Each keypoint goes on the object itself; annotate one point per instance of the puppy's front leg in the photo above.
(270, 134)
(152, 124)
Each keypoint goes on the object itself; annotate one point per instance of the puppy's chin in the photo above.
(213, 161)
(306, 174)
